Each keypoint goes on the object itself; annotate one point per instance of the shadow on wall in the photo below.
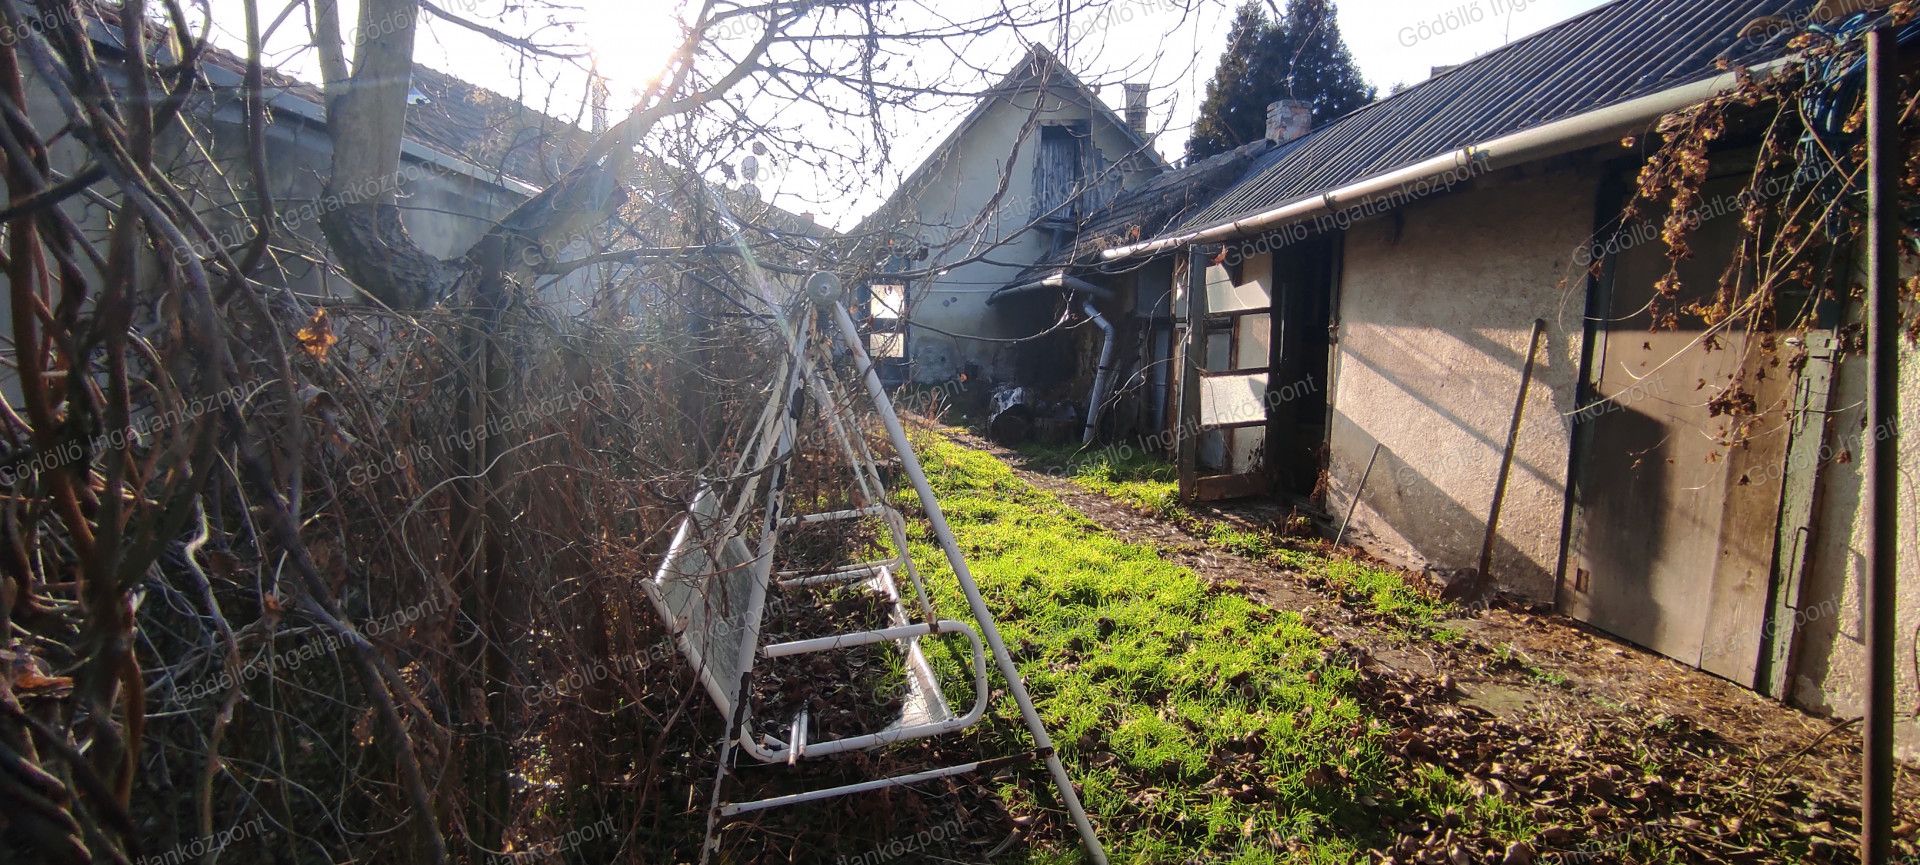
(1491, 435)
(1620, 532)
(1428, 520)
(1434, 492)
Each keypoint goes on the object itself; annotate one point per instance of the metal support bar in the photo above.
(1187, 423)
(1884, 163)
(833, 516)
(910, 462)
(781, 463)
(848, 574)
(780, 752)
(853, 444)
(861, 638)
(1357, 491)
(798, 750)
(739, 808)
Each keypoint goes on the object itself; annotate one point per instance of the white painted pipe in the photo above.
(738, 720)
(910, 463)
(861, 638)
(853, 445)
(891, 735)
(1540, 142)
(736, 809)
(846, 574)
(832, 516)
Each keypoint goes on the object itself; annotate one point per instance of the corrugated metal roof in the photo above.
(1148, 210)
(1162, 201)
(1617, 52)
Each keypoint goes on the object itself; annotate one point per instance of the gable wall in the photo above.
(445, 211)
(941, 210)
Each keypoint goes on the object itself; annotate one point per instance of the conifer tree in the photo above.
(1301, 56)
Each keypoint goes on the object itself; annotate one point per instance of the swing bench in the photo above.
(713, 583)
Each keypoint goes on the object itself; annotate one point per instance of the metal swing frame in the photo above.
(712, 589)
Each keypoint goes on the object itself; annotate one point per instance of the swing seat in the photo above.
(703, 589)
(711, 587)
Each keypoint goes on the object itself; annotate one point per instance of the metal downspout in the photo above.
(1103, 377)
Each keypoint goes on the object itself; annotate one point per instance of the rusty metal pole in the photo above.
(1354, 505)
(1883, 314)
(1484, 575)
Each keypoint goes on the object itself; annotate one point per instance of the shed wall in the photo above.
(1437, 302)
(1830, 670)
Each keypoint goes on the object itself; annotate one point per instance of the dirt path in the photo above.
(1620, 754)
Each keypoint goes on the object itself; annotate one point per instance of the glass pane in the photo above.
(1213, 451)
(889, 301)
(1256, 335)
(1224, 295)
(1248, 442)
(1233, 399)
(1219, 352)
(887, 345)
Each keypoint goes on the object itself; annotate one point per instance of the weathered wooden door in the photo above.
(1224, 427)
(1680, 463)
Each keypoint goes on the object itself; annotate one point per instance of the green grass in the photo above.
(1201, 726)
(1386, 592)
(1139, 479)
(1152, 485)
(1436, 792)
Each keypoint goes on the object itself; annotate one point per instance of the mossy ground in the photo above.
(1201, 725)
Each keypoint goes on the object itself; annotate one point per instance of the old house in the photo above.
(1380, 294)
(1009, 187)
(470, 156)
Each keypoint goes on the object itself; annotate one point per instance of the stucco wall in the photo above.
(1829, 673)
(1437, 302)
(941, 209)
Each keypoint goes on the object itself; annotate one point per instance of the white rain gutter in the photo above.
(1059, 280)
(1541, 142)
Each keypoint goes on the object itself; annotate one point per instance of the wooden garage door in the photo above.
(1677, 499)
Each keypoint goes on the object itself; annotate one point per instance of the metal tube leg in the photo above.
(1883, 485)
(910, 462)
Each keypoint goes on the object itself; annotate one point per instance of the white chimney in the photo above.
(602, 96)
(1137, 107)
(1288, 119)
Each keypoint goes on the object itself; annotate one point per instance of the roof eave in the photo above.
(1547, 140)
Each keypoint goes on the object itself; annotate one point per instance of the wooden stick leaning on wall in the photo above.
(1479, 582)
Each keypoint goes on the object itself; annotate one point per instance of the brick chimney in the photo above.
(1137, 107)
(1288, 119)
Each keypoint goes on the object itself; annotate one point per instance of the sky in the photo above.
(1171, 44)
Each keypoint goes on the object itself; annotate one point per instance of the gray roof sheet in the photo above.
(1614, 53)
